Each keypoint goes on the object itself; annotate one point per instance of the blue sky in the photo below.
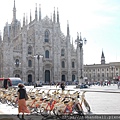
(97, 20)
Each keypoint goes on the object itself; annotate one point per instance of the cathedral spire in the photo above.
(39, 12)
(0, 37)
(68, 32)
(80, 36)
(36, 17)
(72, 44)
(8, 30)
(77, 41)
(14, 12)
(30, 16)
(54, 15)
(57, 16)
(51, 16)
(24, 20)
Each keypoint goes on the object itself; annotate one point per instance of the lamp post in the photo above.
(80, 43)
(38, 58)
(17, 65)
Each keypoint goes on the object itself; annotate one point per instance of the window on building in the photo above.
(29, 63)
(116, 69)
(94, 75)
(98, 70)
(90, 75)
(102, 74)
(73, 64)
(17, 63)
(46, 54)
(30, 50)
(46, 36)
(62, 52)
(98, 74)
(63, 64)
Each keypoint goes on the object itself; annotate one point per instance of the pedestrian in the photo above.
(118, 84)
(62, 86)
(22, 107)
(50, 84)
(5, 83)
(57, 84)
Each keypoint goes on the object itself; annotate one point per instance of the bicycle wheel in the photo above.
(55, 111)
(38, 110)
(8, 102)
(32, 109)
(3, 101)
(79, 109)
(87, 105)
(59, 114)
(44, 112)
(63, 115)
(15, 104)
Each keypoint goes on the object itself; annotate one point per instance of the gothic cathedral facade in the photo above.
(38, 50)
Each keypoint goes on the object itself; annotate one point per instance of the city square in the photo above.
(74, 47)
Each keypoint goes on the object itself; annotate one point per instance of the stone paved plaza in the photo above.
(102, 100)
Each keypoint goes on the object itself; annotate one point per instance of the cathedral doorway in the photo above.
(73, 78)
(47, 76)
(63, 78)
(17, 75)
(29, 79)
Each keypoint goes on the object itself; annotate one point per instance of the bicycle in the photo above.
(68, 107)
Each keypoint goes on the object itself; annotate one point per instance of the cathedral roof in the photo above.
(47, 19)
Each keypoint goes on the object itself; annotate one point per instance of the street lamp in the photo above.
(38, 58)
(80, 43)
(17, 65)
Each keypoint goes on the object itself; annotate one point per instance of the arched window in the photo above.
(17, 63)
(73, 64)
(62, 52)
(46, 36)
(29, 63)
(30, 50)
(46, 54)
(63, 64)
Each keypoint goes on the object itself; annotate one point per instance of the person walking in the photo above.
(118, 84)
(22, 107)
(62, 86)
